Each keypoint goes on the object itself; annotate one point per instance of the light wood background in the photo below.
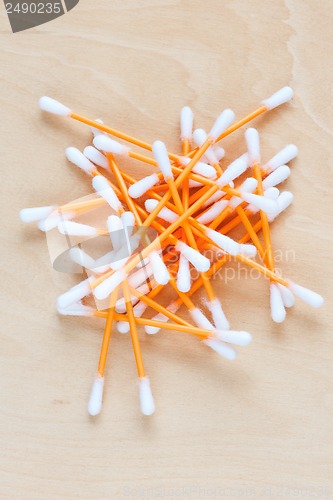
(260, 426)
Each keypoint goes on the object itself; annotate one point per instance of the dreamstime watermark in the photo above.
(24, 15)
(205, 491)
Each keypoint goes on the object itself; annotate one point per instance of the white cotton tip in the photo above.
(284, 200)
(140, 276)
(102, 186)
(77, 158)
(200, 262)
(194, 184)
(253, 145)
(104, 143)
(235, 169)
(287, 296)
(121, 304)
(115, 228)
(165, 214)
(280, 97)
(96, 396)
(222, 122)
(284, 156)
(143, 185)
(52, 106)
(82, 258)
(223, 350)
(219, 152)
(128, 220)
(200, 319)
(221, 240)
(248, 250)
(96, 157)
(35, 213)
(76, 309)
(74, 294)
(262, 202)
(272, 193)
(278, 311)
(236, 337)
(215, 197)
(213, 212)
(183, 275)
(219, 318)
(107, 286)
(71, 228)
(308, 296)
(160, 271)
(147, 404)
(162, 158)
(248, 186)
(123, 327)
(97, 131)
(276, 177)
(200, 168)
(53, 220)
(186, 123)
(139, 309)
(152, 330)
(200, 137)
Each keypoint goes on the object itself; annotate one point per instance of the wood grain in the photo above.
(261, 426)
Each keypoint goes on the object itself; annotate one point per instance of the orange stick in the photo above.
(133, 331)
(107, 333)
(147, 146)
(264, 219)
(199, 332)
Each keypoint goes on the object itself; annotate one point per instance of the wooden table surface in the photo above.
(258, 427)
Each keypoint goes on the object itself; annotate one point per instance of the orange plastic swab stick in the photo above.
(199, 332)
(107, 333)
(133, 331)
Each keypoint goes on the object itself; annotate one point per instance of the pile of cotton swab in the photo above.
(173, 230)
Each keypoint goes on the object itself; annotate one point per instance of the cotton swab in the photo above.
(76, 293)
(96, 157)
(110, 146)
(186, 127)
(147, 404)
(55, 107)
(277, 306)
(184, 274)
(96, 395)
(160, 271)
(187, 224)
(104, 189)
(160, 153)
(77, 158)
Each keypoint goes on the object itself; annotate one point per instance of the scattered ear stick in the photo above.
(170, 232)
